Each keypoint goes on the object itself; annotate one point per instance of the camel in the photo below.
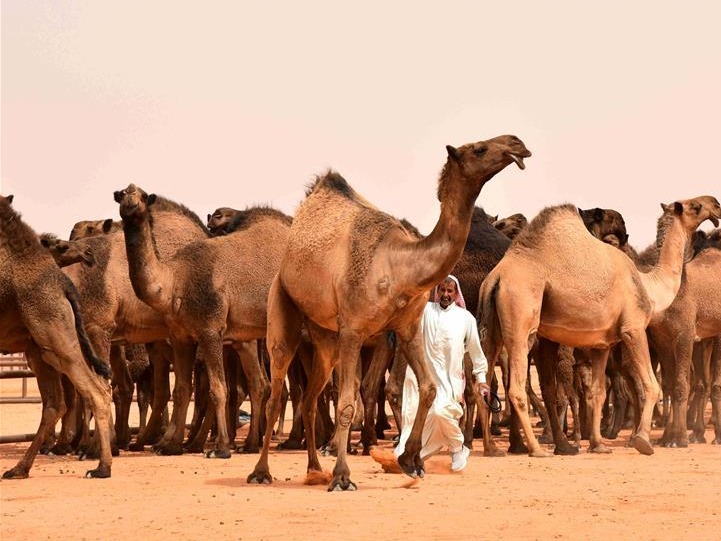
(512, 225)
(115, 315)
(219, 221)
(210, 292)
(593, 301)
(693, 316)
(351, 272)
(93, 228)
(67, 252)
(40, 315)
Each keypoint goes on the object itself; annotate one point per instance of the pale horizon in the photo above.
(236, 105)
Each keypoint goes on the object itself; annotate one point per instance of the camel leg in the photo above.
(394, 386)
(715, 370)
(599, 358)
(159, 354)
(259, 389)
(701, 368)
(283, 338)
(382, 356)
(518, 371)
(124, 392)
(53, 407)
(297, 381)
(683, 353)
(70, 418)
(469, 407)
(183, 361)
(640, 362)
(210, 352)
(546, 360)
(410, 460)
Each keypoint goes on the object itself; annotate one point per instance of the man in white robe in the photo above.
(449, 331)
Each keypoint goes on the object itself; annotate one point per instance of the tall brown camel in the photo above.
(351, 272)
(542, 286)
(693, 316)
(40, 315)
(210, 292)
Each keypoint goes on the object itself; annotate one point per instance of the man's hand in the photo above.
(483, 389)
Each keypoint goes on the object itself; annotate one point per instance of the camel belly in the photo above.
(579, 337)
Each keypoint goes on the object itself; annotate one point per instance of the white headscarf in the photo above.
(460, 301)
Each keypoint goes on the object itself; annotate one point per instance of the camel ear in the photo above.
(89, 257)
(45, 242)
(151, 199)
(118, 196)
(10, 198)
(678, 208)
(625, 239)
(107, 225)
(208, 217)
(453, 153)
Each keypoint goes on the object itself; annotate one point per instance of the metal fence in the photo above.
(15, 366)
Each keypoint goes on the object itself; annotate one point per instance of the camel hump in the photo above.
(163, 204)
(332, 181)
(243, 219)
(534, 232)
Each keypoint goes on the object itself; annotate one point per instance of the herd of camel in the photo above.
(331, 299)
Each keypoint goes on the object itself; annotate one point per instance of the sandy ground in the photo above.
(674, 494)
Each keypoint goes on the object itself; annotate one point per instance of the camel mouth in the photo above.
(518, 159)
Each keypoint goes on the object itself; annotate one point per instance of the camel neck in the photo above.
(664, 279)
(148, 275)
(434, 257)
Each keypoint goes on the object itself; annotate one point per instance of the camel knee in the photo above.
(427, 393)
(345, 416)
(716, 392)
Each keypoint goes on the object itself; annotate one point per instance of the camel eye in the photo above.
(480, 151)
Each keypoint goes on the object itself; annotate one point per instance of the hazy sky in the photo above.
(236, 103)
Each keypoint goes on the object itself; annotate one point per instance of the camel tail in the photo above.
(490, 325)
(101, 367)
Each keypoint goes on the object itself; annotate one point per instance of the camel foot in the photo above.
(60, 449)
(539, 453)
(565, 450)
(696, 438)
(193, 449)
(101, 472)
(136, 447)
(259, 478)
(545, 438)
(410, 467)
(253, 449)
(517, 449)
(342, 483)
(599, 449)
(293, 445)
(494, 452)
(328, 450)
(218, 453)
(675, 444)
(716, 441)
(16, 473)
(642, 445)
(171, 449)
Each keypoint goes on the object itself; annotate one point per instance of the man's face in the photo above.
(447, 293)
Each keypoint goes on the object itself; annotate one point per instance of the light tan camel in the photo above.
(693, 316)
(351, 272)
(40, 315)
(210, 292)
(543, 287)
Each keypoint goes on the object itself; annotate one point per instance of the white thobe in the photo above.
(447, 335)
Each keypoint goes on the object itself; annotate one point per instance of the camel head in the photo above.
(7, 198)
(482, 160)
(219, 220)
(67, 252)
(92, 228)
(603, 223)
(511, 225)
(693, 212)
(134, 202)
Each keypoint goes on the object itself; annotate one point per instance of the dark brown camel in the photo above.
(40, 315)
(211, 291)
